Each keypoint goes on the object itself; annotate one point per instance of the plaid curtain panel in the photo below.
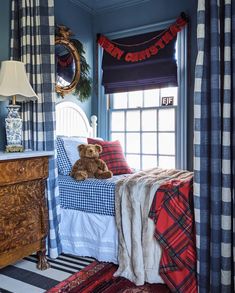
(32, 42)
(214, 145)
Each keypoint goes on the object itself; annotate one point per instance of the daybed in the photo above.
(111, 227)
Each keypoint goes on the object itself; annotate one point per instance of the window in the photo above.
(151, 134)
(145, 128)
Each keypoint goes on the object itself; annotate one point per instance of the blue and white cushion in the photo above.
(71, 147)
(64, 165)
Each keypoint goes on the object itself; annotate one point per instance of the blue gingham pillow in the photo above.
(64, 165)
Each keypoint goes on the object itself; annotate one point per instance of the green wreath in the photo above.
(84, 86)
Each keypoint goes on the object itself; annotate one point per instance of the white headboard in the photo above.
(71, 120)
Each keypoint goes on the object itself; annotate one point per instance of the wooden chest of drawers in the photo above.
(23, 209)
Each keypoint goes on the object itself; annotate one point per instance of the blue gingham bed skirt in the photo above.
(91, 195)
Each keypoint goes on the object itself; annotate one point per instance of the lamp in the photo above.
(14, 85)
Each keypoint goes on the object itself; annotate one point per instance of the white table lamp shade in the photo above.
(14, 82)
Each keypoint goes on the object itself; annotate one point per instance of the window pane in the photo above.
(149, 143)
(133, 143)
(149, 162)
(166, 143)
(166, 162)
(151, 98)
(120, 101)
(135, 99)
(120, 137)
(117, 121)
(133, 120)
(149, 120)
(133, 161)
(166, 120)
(170, 91)
(147, 136)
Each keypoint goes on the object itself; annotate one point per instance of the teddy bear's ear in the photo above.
(81, 147)
(98, 147)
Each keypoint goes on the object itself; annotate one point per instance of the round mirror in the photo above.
(67, 60)
(65, 66)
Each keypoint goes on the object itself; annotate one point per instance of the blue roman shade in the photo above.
(160, 70)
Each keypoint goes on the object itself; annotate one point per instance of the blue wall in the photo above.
(80, 22)
(152, 12)
(66, 13)
(4, 55)
(85, 27)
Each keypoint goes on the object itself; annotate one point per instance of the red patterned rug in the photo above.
(98, 278)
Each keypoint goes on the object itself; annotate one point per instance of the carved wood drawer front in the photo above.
(23, 209)
(23, 170)
(20, 229)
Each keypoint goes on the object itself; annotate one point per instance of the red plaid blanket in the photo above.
(174, 229)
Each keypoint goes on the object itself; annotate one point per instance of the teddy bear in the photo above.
(89, 165)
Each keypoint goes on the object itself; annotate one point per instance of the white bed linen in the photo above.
(89, 234)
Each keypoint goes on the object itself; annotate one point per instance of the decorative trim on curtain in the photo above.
(32, 42)
(214, 145)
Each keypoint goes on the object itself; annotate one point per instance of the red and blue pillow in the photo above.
(113, 156)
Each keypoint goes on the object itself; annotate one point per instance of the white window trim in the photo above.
(181, 114)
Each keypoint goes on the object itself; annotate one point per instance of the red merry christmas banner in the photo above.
(163, 39)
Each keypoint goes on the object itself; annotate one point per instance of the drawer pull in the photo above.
(21, 170)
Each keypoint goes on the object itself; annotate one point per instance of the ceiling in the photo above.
(100, 6)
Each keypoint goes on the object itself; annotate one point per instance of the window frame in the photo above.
(157, 132)
(181, 112)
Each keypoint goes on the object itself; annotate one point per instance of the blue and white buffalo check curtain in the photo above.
(32, 42)
(214, 145)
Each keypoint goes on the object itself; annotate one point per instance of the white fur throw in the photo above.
(138, 251)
